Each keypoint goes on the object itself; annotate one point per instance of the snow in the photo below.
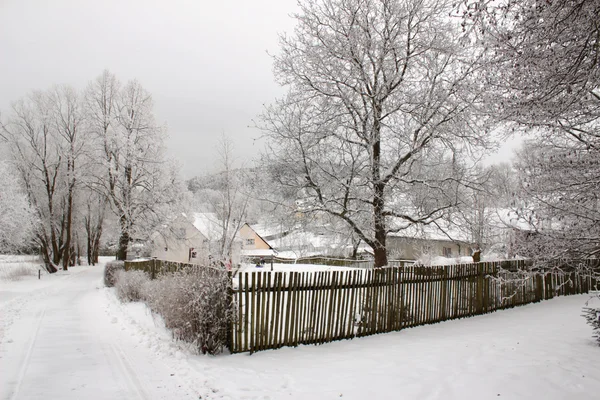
(258, 252)
(61, 341)
(70, 338)
(208, 224)
(280, 267)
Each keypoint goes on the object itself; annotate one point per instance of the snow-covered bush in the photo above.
(110, 272)
(195, 305)
(591, 313)
(129, 284)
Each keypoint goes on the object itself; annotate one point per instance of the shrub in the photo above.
(110, 270)
(195, 305)
(129, 284)
(592, 317)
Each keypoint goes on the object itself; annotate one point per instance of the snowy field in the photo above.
(68, 337)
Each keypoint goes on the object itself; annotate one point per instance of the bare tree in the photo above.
(226, 193)
(374, 87)
(69, 122)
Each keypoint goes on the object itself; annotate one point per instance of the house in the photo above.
(419, 241)
(253, 245)
(211, 226)
(180, 241)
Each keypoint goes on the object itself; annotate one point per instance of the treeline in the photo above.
(88, 159)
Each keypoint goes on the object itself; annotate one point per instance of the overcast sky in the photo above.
(205, 62)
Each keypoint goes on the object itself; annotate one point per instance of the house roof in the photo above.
(208, 224)
(166, 231)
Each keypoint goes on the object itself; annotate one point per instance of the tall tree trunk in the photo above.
(355, 244)
(123, 239)
(88, 242)
(96, 245)
(379, 250)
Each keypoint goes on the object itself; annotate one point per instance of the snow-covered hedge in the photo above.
(194, 303)
(130, 285)
(110, 271)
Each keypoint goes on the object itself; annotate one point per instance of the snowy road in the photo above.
(68, 337)
(59, 342)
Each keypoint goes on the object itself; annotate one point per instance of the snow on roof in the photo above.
(442, 231)
(265, 230)
(208, 224)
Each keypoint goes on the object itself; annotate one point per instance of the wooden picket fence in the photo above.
(276, 309)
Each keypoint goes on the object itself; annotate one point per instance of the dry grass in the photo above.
(13, 267)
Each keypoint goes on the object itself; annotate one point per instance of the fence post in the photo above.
(230, 296)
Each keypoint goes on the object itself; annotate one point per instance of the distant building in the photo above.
(180, 241)
(253, 245)
(423, 241)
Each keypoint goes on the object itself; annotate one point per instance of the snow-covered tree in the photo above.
(544, 77)
(17, 218)
(559, 197)
(141, 184)
(374, 86)
(45, 134)
(543, 68)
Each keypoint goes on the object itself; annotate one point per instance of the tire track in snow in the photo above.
(23, 370)
(133, 381)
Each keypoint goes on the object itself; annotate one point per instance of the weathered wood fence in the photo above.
(276, 309)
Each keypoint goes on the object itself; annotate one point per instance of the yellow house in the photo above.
(253, 245)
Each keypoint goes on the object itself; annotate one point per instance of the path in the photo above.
(59, 343)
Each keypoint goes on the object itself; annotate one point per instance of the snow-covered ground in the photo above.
(72, 339)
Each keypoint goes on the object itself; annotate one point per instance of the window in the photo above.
(447, 252)
(250, 242)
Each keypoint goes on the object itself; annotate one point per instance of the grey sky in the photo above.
(205, 62)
